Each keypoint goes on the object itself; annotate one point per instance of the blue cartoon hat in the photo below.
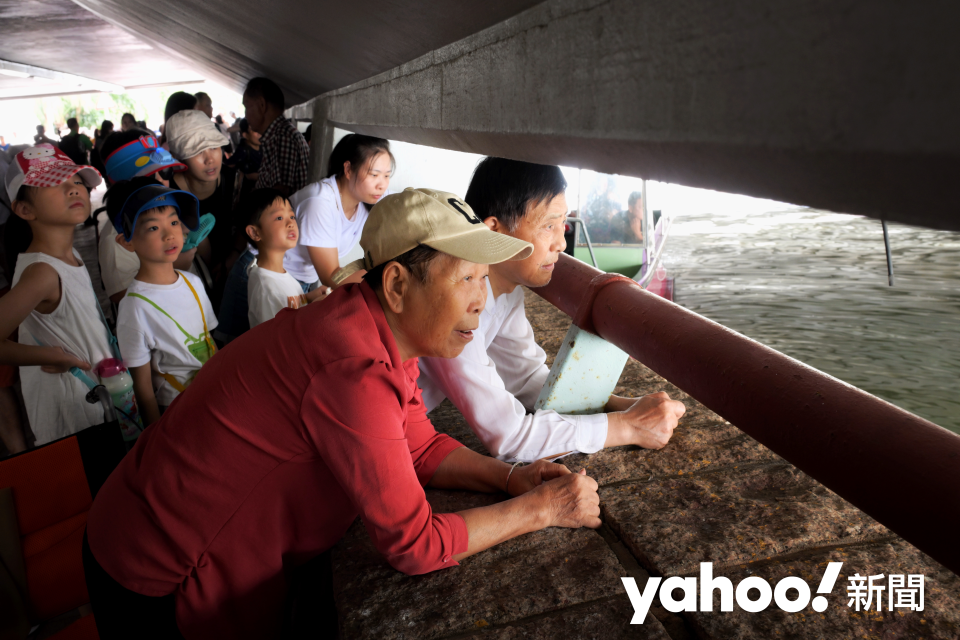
(142, 157)
(153, 197)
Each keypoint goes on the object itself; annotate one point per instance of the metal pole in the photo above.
(886, 243)
(586, 235)
(649, 237)
(895, 466)
(655, 262)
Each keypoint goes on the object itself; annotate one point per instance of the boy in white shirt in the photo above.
(495, 381)
(165, 318)
(272, 229)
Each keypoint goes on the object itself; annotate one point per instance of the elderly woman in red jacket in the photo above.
(304, 423)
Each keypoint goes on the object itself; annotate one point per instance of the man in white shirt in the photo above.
(497, 379)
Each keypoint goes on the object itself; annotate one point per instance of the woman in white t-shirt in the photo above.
(331, 213)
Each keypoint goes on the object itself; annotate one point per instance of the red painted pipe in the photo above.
(899, 468)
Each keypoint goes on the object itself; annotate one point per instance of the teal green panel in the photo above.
(623, 260)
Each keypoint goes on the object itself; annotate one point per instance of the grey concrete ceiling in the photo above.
(307, 47)
(61, 36)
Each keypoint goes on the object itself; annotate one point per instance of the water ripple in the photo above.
(813, 285)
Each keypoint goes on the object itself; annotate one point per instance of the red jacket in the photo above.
(283, 439)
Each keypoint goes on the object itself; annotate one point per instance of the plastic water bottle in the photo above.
(118, 382)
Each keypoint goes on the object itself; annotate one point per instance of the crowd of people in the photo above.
(286, 340)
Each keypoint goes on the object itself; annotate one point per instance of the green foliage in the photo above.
(92, 109)
(87, 115)
(123, 103)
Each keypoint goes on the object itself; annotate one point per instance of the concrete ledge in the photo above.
(665, 511)
(939, 620)
(531, 575)
(736, 515)
(600, 619)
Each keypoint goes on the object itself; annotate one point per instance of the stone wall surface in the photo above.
(713, 494)
(940, 618)
(829, 104)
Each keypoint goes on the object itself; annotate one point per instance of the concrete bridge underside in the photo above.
(846, 106)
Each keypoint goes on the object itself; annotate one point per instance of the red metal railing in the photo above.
(900, 469)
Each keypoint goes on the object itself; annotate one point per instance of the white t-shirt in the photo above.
(146, 335)
(323, 224)
(497, 379)
(118, 267)
(268, 292)
(55, 402)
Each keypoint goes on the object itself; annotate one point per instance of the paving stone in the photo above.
(939, 620)
(550, 342)
(447, 419)
(733, 516)
(698, 444)
(530, 575)
(703, 440)
(607, 619)
(543, 315)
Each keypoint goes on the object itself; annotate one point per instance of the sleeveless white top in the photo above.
(56, 405)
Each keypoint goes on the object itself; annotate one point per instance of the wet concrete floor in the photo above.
(712, 495)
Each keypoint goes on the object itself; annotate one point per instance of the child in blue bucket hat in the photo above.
(165, 319)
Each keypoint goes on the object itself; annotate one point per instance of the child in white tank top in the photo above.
(61, 327)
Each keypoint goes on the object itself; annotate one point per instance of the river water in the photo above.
(813, 285)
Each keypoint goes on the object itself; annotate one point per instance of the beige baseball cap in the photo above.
(191, 132)
(402, 221)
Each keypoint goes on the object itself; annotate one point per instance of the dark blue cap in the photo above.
(154, 197)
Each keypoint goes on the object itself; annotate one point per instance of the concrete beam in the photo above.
(847, 106)
(305, 47)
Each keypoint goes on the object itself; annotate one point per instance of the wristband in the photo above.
(506, 485)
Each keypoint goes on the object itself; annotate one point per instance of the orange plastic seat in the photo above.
(55, 580)
(83, 629)
(53, 489)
